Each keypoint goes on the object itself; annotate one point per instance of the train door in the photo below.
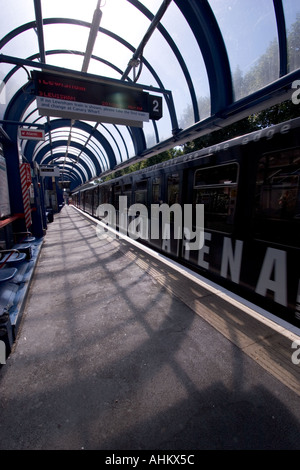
(215, 188)
(104, 194)
(156, 197)
(274, 259)
(95, 200)
(172, 214)
(123, 216)
(138, 222)
(89, 201)
(117, 192)
(127, 192)
(83, 200)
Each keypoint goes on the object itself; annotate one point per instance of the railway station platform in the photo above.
(117, 350)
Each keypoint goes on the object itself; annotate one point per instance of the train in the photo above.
(249, 190)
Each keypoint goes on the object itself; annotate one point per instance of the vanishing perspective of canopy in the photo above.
(210, 62)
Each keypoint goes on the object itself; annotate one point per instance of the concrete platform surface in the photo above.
(108, 358)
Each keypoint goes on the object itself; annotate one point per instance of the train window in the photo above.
(104, 195)
(216, 188)
(156, 190)
(141, 192)
(127, 193)
(88, 200)
(96, 199)
(277, 196)
(217, 175)
(173, 189)
(117, 194)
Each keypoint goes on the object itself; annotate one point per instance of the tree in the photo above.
(294, 45)
(265, 71)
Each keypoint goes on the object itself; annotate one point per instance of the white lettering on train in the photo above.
(296, 94)
(256, 136)
(273, 276)
(232, 260)
(204, 251)
(138, 227)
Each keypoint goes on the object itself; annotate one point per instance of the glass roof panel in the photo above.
(118, 137)
(103, 69)
(11, 88)
(152, 5)
(150, 135)
(124, 20)
(174, 23)
(63, 133)
(80, 140)
(78, 164)
(88, 162)
(170, 72)
(37, 148)
(128, 141)
(31, 115)
(73, 61)
(249, 30)
(164, 124)
(76, 9)
(61, 150)
(111, 50)
(63, 159)
(106, 132)
(17, 12)
(23, 45)
(97, 149)
(70, 166)
(65, 36)
(292, 20)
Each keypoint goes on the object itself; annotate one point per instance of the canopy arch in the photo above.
(186, 50)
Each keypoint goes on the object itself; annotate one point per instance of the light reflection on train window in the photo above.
(141, 192)
(216, 188)
(173, 189)
(277, 196)
(156, 190)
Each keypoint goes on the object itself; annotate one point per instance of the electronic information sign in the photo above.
(69, 97)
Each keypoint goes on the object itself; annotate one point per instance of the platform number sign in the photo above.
(155, 107)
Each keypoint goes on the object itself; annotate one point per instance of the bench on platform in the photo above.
(11, 257)
(16, 271)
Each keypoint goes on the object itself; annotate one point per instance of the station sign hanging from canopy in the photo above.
(30, 134)
(72, 98)
(47, 170)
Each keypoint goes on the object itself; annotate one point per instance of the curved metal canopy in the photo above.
(212, 61)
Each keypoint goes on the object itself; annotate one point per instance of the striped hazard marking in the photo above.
(25, 175)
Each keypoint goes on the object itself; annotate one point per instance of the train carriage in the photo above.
(249, 189)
